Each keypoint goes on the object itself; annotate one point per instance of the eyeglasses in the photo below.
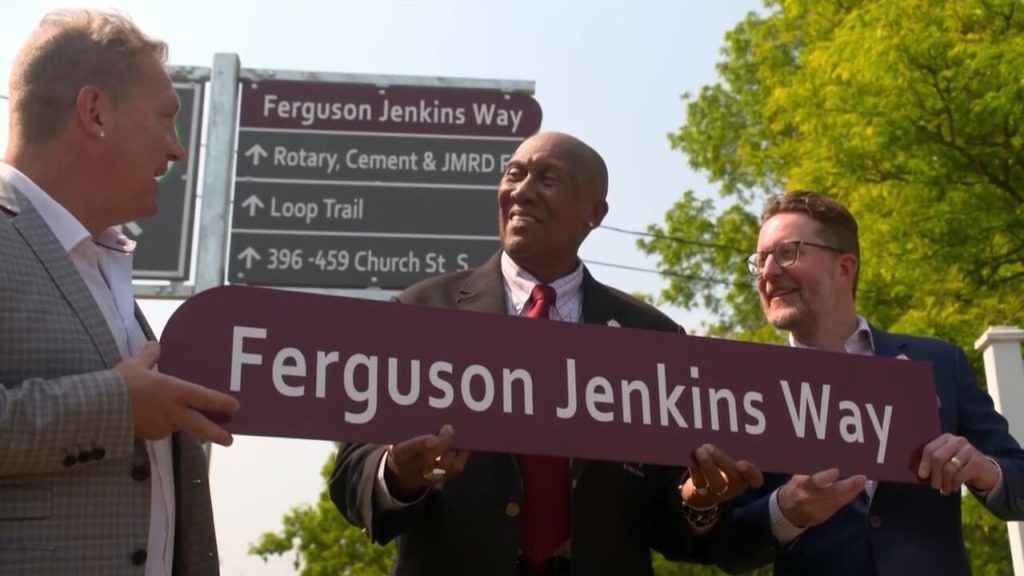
(785, 254)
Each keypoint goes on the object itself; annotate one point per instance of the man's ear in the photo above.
(600, 211)
(92, 106)
(848, 265)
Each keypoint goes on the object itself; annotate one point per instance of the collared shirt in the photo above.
(862, 342)
(519, 284)
(105, 263)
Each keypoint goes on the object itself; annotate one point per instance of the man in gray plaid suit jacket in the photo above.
(101, 468)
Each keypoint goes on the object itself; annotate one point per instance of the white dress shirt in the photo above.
(105, 263)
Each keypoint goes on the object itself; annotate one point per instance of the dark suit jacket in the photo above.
(906, 529)
(469, 525)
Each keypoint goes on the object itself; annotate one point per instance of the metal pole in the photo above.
(220, 143)
(220, 154)
(1004, 372)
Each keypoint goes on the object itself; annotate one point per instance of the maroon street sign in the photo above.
(350, 107)
(333, 368)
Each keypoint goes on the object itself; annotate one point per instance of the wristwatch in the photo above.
(702, 517)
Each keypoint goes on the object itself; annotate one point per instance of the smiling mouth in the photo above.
(779, 294)
(517, 218)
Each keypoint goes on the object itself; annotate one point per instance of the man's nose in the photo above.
(771, 268)
(524, 190)
(177, 152)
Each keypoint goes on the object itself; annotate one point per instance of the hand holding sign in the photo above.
(163, 404)
(810, 500)
(714, 478)
(421, 462)
(949, 461)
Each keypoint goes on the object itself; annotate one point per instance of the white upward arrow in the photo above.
(252, 203)
(249, 255)
(256, 152)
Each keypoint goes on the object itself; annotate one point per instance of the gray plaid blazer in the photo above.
(74, 481)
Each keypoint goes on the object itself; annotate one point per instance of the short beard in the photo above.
(785, 319)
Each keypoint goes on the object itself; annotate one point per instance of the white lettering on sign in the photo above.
(361, 161)
(426, 112)
(422, 113)
(851, 425)
(361, 379)
(635, 395)
(328, 161)
(310, 112)
(360, 383)
(490, 114)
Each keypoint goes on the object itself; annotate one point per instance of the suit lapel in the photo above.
(599, 307)
(483, 290)
(40, 239)
(887, 345)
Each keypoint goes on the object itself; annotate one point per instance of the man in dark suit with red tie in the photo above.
(455, 513)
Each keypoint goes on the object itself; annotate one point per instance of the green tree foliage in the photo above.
(664, 567)
(910, 112)
(988, 542)
(323, 542)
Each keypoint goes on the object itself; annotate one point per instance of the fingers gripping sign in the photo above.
(423, 461)
(949, 461)
(714, 477)
(163, 404)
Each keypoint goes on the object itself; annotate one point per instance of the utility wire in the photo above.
(660, 272)
(673, 239)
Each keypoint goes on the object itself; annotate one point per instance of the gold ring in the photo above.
(434, 474)
(957, 462)
(701, 491)
(723, 491)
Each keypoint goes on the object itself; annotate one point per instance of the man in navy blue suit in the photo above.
(806, 264)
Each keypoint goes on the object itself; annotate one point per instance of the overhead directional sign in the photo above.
(342, 185)
(164, 240)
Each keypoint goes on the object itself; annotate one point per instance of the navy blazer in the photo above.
(906, 529)
(470, 524)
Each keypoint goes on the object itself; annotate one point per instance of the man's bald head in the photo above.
(69, 50)
(552, 194)
(588, 166)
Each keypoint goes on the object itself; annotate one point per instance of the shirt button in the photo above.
(512, 509)
(70, 461)
(875, 521)
(139, 557)
(140, 472)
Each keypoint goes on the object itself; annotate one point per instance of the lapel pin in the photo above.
(903, 357)
(614, 323)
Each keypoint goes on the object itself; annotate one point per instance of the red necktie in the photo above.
(545, 524)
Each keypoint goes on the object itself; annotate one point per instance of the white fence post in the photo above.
(1004, 372)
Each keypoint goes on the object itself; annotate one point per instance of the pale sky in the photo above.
(610, 73)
